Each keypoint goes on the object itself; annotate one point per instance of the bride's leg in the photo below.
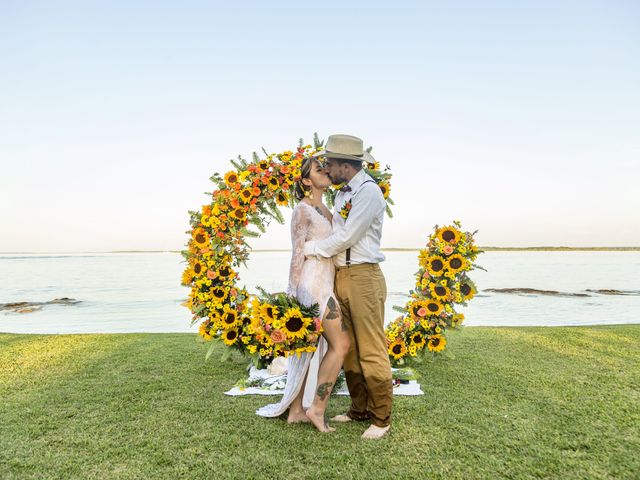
(338, 342)
(296, 412)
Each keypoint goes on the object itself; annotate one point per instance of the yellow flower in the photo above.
(187, 276)
(457, 263)
(418, 340)
(204, 331)
(436, 343)
(439, 292)
(231, 178)
(282, 199)
(467, 290)
(268, 311)
(434, 265)
(230, 337)
(448, 234)
(434, 307)
(295, 324)
(398, 349)
(252, 349)
(373, 165)
(246, 194)
(385, 188)
(200, 237)
(229, 317)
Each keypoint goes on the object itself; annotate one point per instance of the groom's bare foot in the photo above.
(319, 421)
(297, 416)
(374, 432)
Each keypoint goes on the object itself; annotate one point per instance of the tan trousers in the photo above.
(362, 291)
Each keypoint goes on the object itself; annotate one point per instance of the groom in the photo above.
(360, 285)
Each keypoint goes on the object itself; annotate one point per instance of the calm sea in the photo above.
(140, 292)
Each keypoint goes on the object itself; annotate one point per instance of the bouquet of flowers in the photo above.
(442, 282)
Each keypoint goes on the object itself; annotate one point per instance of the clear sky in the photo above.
(521, 119)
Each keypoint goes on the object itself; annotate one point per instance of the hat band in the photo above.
(351, 154)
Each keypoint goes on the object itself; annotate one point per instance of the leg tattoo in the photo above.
(323, 390)
(333, 309)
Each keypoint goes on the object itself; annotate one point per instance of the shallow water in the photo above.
(140, 292)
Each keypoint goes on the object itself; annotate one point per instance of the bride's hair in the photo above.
(305, 170)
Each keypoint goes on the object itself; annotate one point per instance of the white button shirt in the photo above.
(362, 229)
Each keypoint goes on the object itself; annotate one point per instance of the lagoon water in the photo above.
(140, 292)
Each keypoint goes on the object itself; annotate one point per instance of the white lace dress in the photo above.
(311, 281)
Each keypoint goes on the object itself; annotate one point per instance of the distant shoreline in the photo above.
(486, 249)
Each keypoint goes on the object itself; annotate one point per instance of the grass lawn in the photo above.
(505, 403)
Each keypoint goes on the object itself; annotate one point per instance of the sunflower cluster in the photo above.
(441, 283)
(243, 203)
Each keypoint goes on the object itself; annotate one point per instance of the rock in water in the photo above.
(28, 307)
(533, 291)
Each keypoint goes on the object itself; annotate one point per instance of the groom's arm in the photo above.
(366, 207)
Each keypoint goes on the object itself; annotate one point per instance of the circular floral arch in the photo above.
(264, 325)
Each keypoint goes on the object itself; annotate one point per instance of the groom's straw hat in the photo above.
(346, 147)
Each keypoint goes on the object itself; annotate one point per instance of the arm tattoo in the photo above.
(333, 309)
(323, 390)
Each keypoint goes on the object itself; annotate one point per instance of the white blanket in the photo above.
(274, 385)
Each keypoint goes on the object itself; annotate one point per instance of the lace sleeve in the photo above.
(300, 222)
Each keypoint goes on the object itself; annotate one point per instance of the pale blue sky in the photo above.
(522, 119)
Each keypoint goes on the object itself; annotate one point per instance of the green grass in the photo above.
(505, 403)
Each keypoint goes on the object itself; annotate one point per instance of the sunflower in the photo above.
(385, 188)
(418, 308)
(246, 194)
(229, 317)
(282, 199)
(268, 311)
(397, 349)
(467, 290)
(448, 234)
(219, 293)
(204, 331)
(263, 165)
(239, 213)
(436, 343)
(434, 307)
(231, 178)
(373, 165)
(418, 339)
(200, 236)
(187, 276)
(439, 292)
(273, 183)
(434, 265)
(457, 263)
(225, 272)
(295, 323)
(230, 337)
(457, 319)
(198, 268)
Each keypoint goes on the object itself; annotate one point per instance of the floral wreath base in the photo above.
(245, 200)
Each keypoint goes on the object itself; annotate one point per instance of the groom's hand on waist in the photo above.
(310, 249)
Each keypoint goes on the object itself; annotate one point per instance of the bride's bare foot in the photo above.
(297, 416)
(319, 420)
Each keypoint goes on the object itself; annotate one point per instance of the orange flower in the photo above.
(278, 336)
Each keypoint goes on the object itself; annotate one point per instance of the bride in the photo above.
(311, 377)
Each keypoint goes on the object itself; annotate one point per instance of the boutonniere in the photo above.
(346, 208)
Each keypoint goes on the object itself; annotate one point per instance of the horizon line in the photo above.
(389, 249)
